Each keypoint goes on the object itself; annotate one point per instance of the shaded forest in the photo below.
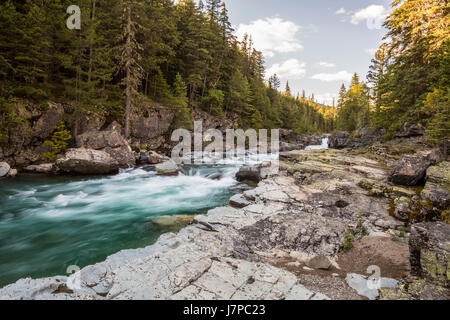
(130, 52)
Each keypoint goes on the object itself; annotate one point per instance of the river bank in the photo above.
(296, 237)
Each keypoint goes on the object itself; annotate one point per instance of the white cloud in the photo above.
(341, 11)
(325, 98)
(326, 64)
(370, 51)
(374, 15)
(272, 35)
(330, 77)
(291, 69)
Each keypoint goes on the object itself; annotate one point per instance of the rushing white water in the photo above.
(324, 145)
(50, 223)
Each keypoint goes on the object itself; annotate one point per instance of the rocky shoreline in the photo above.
(309, 232)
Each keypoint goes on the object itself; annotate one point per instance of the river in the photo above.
(48, 223)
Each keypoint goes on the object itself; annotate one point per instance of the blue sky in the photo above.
(316, 45)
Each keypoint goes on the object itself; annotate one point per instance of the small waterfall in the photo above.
(324, 145)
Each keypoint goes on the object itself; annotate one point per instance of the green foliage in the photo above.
(349, 239)
(354, 106)
(410, 73)
(129, 51)
(213, 102)
(58, 142)
(183, 112)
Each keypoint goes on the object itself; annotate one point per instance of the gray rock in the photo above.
(429, 245)
(319, 262)
(156, 158)
(215, 176)
(12, 173)
(41, 168)
(87, 161)
(46, 124)
(168, 168)
(238, 201)
(409, 171)
(110, 142)
(410, 131)
(4, 169)
(249, 174)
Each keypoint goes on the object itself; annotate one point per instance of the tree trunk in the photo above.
(128, 81)
(91, 49)
(445, 148)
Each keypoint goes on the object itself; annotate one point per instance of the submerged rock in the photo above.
(168, 168)
(409, 171)
(87, 161)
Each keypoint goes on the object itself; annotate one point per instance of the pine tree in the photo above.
(183, 114)
(288, 89)
(130, 57)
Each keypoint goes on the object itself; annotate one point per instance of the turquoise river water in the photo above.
(50, 223)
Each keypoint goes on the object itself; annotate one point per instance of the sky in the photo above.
(315, 45)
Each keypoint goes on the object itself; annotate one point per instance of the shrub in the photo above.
(58, 142)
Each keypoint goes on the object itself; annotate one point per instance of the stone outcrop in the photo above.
(87, 161)
(430, 251)
(234, 252)
(437, 189)
(409, 171)
(46, 124)
(407, 131)
(363, 137)
(110, 142)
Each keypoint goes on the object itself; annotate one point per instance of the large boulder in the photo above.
(110, 142)
(429, 246)
(4, 169)
(407, 131)
(87, 161)
(341, 140)
(409, 171)
(437, 188)
(254, 173)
